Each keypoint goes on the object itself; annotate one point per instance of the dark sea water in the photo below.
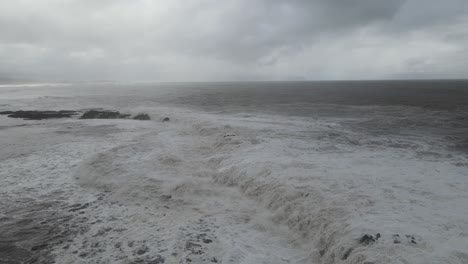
(437, 95)
(273, 96)
(435, 107)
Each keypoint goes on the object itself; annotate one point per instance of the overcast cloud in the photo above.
(185, 40)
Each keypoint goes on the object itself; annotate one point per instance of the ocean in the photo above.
(244, 172)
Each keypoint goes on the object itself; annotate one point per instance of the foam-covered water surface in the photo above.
(240, 174)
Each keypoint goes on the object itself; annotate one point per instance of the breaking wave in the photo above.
(349, 196)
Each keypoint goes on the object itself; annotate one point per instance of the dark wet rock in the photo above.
(366, 240)
(142, 250)
(166, 119)
(397, 239)
(39, 115)
(411, 239)
(207, 241)
(142, 116)
(214, 260)
(98, 114)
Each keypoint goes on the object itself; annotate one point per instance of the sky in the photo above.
(233, 40)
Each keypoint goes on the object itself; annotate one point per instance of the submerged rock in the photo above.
(166, 119)
(411, 239)
(366, 240)
(39, 115)
(142, 250)
(142, 116)
(97, 114)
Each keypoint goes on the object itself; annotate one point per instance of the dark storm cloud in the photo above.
(250, 30)
(233, 39)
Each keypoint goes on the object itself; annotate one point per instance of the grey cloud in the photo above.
(213, 40)
(252, 29)
(422, 13)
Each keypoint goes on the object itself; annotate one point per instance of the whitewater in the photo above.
(229, 181)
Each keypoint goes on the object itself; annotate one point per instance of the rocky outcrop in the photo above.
(104, 114)
(89, 114)
(39, 115)
(142, 116)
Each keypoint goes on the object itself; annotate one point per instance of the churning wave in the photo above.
(343, 196)
(236, 188)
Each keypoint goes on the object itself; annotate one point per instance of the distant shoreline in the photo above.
(40, 83)
(32, 84)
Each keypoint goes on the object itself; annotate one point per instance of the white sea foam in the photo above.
(256, 188)
(327, 192)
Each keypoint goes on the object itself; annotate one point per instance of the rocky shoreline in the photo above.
(89, 114)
